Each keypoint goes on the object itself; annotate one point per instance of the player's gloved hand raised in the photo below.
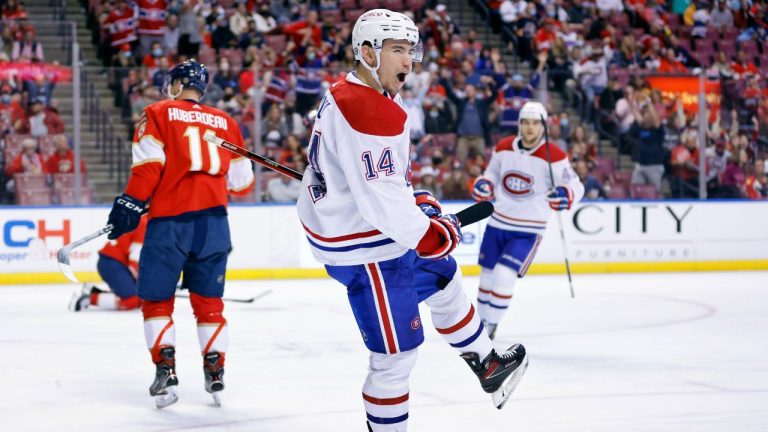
(125, 215)
(428, 203)
(482, 189)
(442, 237)
(560, 198)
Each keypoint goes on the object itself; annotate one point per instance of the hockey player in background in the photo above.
(118, 266)
(187, 179)
(388, 245)
(518, 179)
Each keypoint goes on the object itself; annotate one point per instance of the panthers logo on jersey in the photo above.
(518, 184)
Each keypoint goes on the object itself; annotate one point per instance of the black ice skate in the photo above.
(164, 387)
(81, 298)
(214, 375)
(499, 374)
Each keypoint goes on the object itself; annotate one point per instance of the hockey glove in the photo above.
(482, 190)
(428, 203)
(442, 237)
(125, 215)
(560, 198)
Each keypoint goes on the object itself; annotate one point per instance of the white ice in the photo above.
(664, 352)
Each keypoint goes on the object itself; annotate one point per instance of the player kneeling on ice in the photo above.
(388, 245)
(518, 178)
(187, 179)
(118, 266)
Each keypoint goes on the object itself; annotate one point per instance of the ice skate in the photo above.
(490, 329)
(165, 385)
(499, 374)
(214, 375)
(81, 298)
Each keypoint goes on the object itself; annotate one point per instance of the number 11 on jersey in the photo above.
(196, 151)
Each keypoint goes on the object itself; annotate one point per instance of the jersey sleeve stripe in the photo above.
(148, 148)
(342, 238)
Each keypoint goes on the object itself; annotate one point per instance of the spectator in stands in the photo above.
(6, 43)
(647, 138)
(238, 21)
(743, 66)
(190, 31)
(438, 118)
(152, 19)
(122, 25)
(274, 121)
(42, 121)
(62, 161)
(593, 189)
(144, 97)
(11, 112)
(28, 49)
(428, 181)
(721, 16)
(222, 36)
(171, 33)
(284, 189)
(512, 97)
(472, 126)
(291, 152)
(152, 59)
(733, 178)
(756, 185)
(28, 161)
(264, 20)
(684, 178)
(306, 30)
(226, 77)
(456, 184)
(592, 74)
(13, 10)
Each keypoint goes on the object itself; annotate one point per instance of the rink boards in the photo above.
(268, 241)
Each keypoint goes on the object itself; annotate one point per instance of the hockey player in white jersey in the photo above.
(388, 245)
(518, 179)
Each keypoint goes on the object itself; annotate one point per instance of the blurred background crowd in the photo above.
(588, 61)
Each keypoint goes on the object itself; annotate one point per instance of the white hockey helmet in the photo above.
(533, 111)
(378, 25)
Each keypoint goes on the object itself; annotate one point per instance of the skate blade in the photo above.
(169, 398)
(216, 398)
(501, 395)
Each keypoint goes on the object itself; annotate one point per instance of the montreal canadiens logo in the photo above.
(518, 184)
(416, 323)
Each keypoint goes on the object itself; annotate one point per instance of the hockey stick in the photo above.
(559, 216)
(236, 300)
(63, 254)
(468, 216)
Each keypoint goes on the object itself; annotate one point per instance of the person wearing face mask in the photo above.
(152, 14)
(390, 246)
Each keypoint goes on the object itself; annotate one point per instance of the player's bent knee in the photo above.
(504, 279)
(486, 278)
(391, 368)
(207, 309)
(154, 309)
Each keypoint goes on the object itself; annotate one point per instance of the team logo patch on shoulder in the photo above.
(518, 184)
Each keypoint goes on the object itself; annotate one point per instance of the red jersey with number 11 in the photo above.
(176, 168)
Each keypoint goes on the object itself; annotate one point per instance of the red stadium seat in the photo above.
(446, 141)
(603, 169)
(369, 4)
(415, 5)
(617, 193)
(644, 192)
(333, 15)
(347, 4)
(67, 181)
(67, 196)
(395, 5)
(33, 196)
(622, 178)
(353, 14)
(30, 181)
(276, 42)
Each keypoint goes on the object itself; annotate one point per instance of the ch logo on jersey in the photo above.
(416, 323)
(518, 184)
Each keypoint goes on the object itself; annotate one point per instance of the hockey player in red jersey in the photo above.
(118, 266)
(518, 179)
(390, 246)
(187, 180)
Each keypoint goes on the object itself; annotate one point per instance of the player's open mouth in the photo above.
(401, 77)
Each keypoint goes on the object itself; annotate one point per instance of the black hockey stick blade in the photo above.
(62, 256)
(475, 213)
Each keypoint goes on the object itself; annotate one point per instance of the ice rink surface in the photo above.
(641, 352)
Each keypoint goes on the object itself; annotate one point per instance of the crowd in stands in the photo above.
(36, 158)
(464, 96)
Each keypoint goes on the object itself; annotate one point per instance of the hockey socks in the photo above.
(213, 335)
(457, 321)
(495, 294)
(386, 393)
